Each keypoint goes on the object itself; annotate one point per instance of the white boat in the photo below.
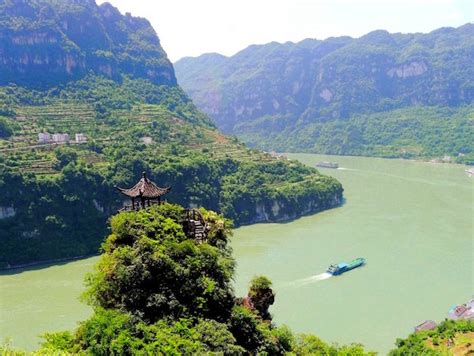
(326, 164)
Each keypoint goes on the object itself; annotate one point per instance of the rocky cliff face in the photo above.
(280, 210)
(283, 86)
(44, 43)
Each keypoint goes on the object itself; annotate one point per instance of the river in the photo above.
(412, 221)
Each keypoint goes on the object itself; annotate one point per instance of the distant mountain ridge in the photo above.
(50, 42)
(282, 90)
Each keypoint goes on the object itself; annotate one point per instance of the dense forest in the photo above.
(387, 95)
(55, 196)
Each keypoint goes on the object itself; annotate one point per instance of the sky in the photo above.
(194, 27)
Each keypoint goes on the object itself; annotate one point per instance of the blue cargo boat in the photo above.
(344, 267)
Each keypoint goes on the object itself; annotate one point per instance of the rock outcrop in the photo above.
(280, 210)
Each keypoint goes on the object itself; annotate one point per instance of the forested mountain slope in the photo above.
(75, 68)
(361, 96)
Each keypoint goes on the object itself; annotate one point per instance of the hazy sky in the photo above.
(193, 27)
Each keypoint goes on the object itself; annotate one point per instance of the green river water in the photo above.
(412, 221)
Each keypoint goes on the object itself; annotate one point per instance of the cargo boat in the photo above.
(344, 267)
(327, 165)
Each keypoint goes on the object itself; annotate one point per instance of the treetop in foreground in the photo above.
(451, 337)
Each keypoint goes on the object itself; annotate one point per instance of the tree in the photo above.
(151, 269)
(64, 156)
(261, 296)
(5, 128)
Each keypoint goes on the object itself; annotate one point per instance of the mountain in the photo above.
(344, 95)
(89, 101)
(50, 42)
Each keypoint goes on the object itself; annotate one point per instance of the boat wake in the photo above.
(321, 277)
(312, 279)
(348, 169)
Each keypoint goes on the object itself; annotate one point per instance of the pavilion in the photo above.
(144, 194)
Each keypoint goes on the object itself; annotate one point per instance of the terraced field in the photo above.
(149, 125)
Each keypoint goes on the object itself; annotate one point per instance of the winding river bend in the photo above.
(412, 221)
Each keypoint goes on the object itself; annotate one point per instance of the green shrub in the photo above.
(151, 269)
(6, 129)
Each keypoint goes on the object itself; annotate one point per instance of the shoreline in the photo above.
(46, 262)
(75, 258)
(430, 160)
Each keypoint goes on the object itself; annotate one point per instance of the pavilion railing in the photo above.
(138, 206)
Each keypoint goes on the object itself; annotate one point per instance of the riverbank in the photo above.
(431, 160)
(271, 211)
(40, 264)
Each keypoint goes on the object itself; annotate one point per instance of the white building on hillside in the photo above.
(80, 137)
(147, 140)
(44, 137)
(60, 138)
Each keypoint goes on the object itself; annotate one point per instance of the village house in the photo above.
(80, 137)
(463, 311)
(60, 138)
(426, 325)
(44, 137)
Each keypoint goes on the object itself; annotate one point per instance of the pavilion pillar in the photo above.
(143, 194)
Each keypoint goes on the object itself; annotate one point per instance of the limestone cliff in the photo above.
(280, 210)
(45, 43)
